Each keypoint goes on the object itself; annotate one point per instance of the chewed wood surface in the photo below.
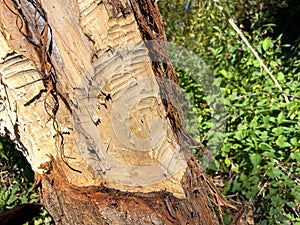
(117, 124)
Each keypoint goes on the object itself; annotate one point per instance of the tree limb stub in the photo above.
(86, 95)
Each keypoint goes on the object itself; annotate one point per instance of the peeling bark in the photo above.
(86, 94)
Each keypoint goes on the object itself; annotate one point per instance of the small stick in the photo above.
(234, 26)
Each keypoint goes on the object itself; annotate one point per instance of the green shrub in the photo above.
(16, 181)
(260, 155)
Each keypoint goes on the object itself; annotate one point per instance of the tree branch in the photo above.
(262, 64)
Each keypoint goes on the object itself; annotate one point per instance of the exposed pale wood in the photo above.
(111, 151)
(135, 149)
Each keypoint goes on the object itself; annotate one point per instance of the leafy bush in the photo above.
(16, 176)
(260, 155)
(16, 181)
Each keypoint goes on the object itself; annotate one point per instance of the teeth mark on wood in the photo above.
(35, 98)
(102, 99)
(86, 8)
(88, 142)
(32, 23)
(94, 116)
(124, 97)
(2, 106)
(12, 60)
(10, 69)
(117, 7)
(98, 121)
(110, 49)
(66, 130)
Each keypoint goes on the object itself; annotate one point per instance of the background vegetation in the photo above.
(16, 186)
(258, 161)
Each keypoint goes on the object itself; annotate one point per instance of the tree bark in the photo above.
(87, 94)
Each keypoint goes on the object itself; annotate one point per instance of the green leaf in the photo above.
(256, 64)
(291, 204)
(277, 130)
(274, 172)
(280, 77)
(282, 142)
(255, 159)
(266, 44)
(258, 47)
(2, 193)
(273, 63)
(280, 117)
(270, 155)
(23, 199)
(266, 147)
(239, 135)
(235, 169)
(294, 141)
(293, 112)
(223, 72)
(11, 200)
(295, 156)
(227, 162)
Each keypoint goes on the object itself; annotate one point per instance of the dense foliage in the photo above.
(259, 158)
(16, 177)
(17, 181)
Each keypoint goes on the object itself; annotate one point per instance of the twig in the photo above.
(263, 187)
(288, 173)
(234, 26)
(244, 96)
(290, 95)
(264, 93)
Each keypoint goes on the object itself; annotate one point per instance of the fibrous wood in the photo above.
(123, 137)
(87, 100)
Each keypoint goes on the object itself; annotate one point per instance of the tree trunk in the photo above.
(90, 103)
